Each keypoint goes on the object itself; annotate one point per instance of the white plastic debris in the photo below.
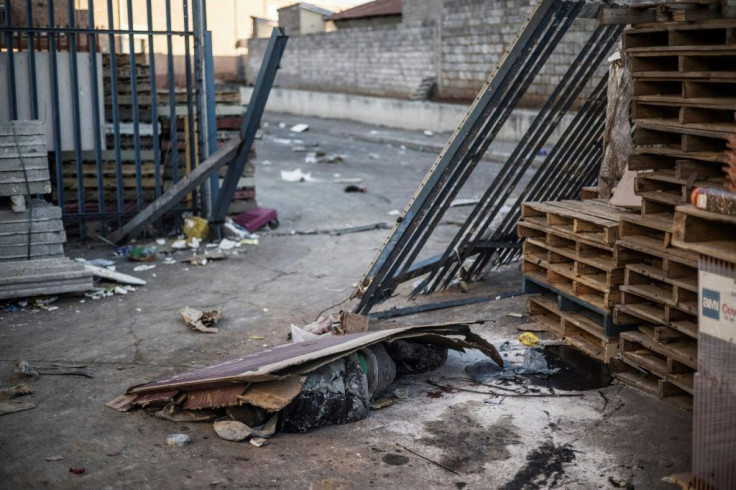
(282, 125)
(144, 267)
(299, 128)
(179, 244)
(394, 212)
(428, 133)
(296, 176)
(266, 163)
(226, 244)
(178, 440)
(161, 241)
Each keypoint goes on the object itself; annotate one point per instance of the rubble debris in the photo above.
(296, 176)
(413, 357)
(178, 440)
(299, 148)
(77, 470)
(356, 188)
(328, 380)
(333, 394)
(258, 441)
(322, 157)
(299, 128)
(25, 368)
(113, 275)
(8, 405)
(142, 254)
(345, 180)
(144, 267)
(54, 458)
(428, 133)
(202, 321)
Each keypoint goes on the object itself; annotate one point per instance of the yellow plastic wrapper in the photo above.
(528, 339)
(196, 227)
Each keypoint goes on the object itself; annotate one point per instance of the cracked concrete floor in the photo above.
(614, 434)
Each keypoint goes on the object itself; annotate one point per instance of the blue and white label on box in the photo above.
(717, 305)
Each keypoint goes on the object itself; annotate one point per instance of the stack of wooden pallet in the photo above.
(569, 262)
(683, 78)
(32, 258)
(125, 108)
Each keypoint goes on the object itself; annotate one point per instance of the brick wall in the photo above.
(458, 41)
(385, 61)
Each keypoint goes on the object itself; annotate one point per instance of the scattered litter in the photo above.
(374, 156)
(266, 163)
(528, 339)
(258, 441)
(179, 244)
(142, 254)
(382, 403)
(232, 430)
(283, 141)
(18, 204)
(99, 293)
(144, 267)
(161, 241)
(25, 368)
(101, 262)
(120, 290)
(296, 176)
(227, 244)
(356, 188)
(249, 241)
(256, 337)
(178, 440)
(299, 149)
(495, 400)
(203, 321)
(196, 227)
(282, 125)
(76, 470)
(321, 325)
(54, 458)
(7, 405)
(44, 304)
(114, 276)
(428, 133)
(169, 260)
(394, 212)
(321, 157)
(344, 180)
(515, 315)
(299, 128)
(235, 230)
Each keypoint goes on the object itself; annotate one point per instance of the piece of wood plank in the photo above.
(114, 275)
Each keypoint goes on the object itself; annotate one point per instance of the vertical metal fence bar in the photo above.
(74, 75)
(134, 107)
(173, 126)
(98, 130)
(11, 65)
(115, 114)
(154, 104)
(202, 127)
(209, 64)
(33, 89)
(190, 112)
(53, 81)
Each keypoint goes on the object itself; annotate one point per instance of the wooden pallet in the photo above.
(601, 320)
(572, 328)
(706, 233)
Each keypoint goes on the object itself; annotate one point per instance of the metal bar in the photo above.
(33, 92)
(154, 105)
(413, 310)
(66, 30)
(134, 108)
(53, 81)
(115, 110)
(251, 120)
(76, 115)
(12, 102)
(190, 112)
(173, 153)
(541, 128)
(211, 115)
(96, 112)
(528, 46)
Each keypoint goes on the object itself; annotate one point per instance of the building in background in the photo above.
(379, 12)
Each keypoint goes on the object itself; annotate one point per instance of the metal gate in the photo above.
(125, 88)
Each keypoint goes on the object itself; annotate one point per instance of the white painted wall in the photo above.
(45, 106)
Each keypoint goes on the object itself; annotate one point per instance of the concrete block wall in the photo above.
(457, 41)
(388, 61)
(474, 36)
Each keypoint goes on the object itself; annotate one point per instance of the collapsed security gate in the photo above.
(571, 164)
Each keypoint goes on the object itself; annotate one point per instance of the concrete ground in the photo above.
(613, 435)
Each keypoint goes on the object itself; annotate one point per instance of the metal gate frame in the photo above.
(21, 36)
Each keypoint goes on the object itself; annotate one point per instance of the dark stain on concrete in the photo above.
(543, 469)
(467, 445)
(395, 459)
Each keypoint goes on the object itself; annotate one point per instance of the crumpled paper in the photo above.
(202, 321)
